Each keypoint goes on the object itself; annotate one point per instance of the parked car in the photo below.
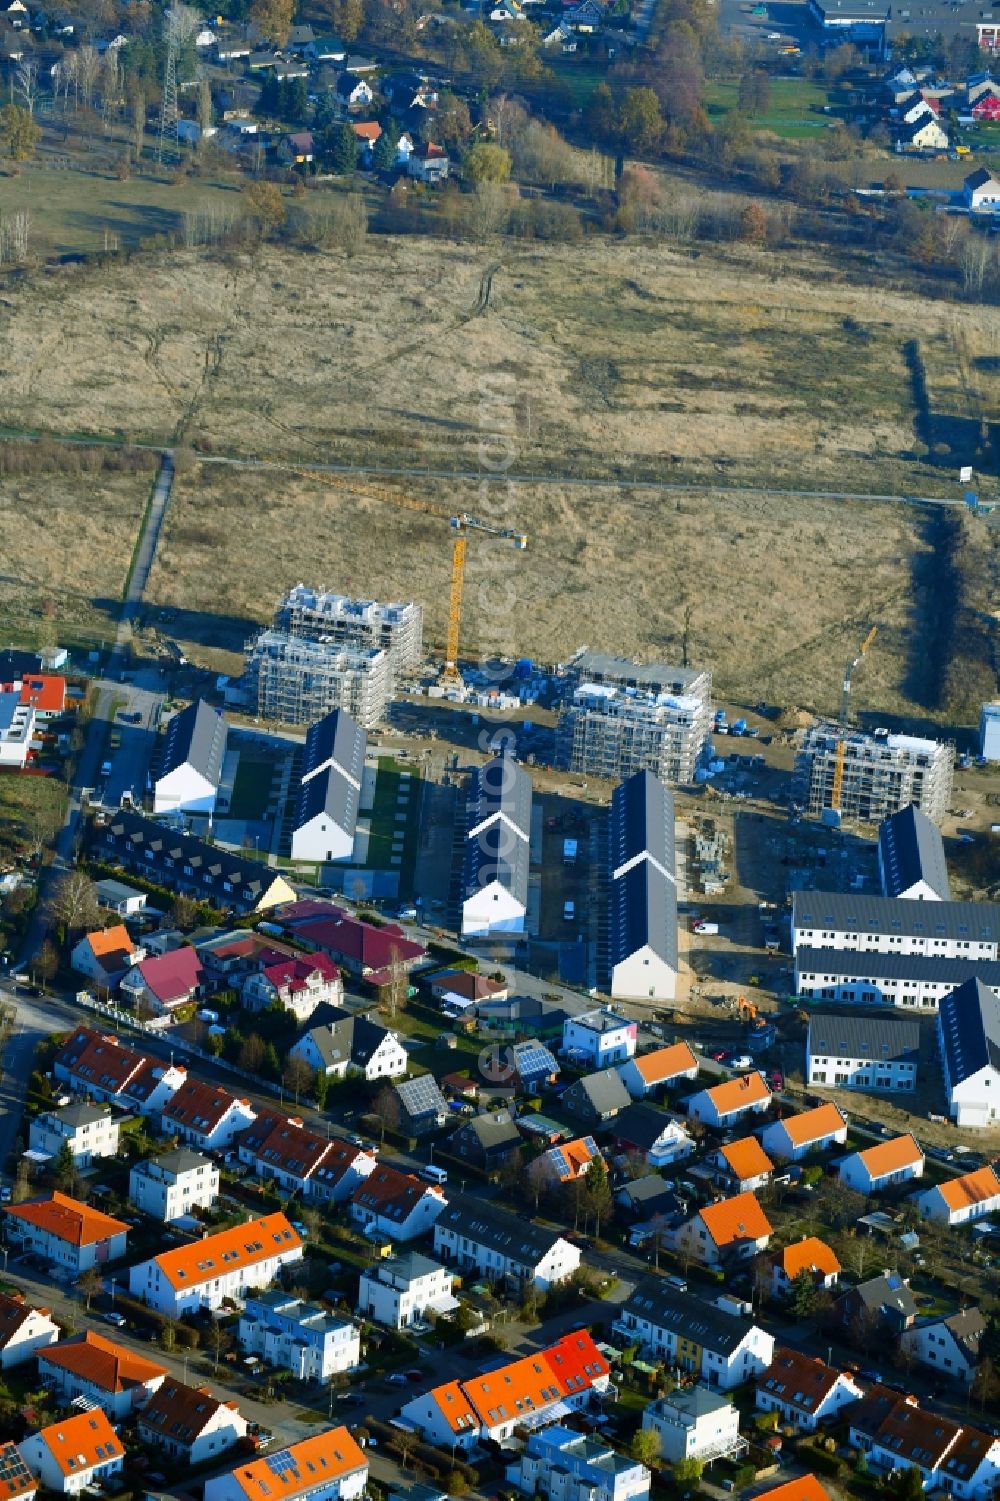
(396, 1379)
(117, 1319)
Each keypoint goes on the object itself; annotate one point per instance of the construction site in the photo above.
(397, 629)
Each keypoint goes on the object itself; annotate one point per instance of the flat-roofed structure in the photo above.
(879, 774)
(620, 717)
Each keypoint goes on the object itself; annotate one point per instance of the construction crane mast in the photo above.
(462, 525)
(836, 792)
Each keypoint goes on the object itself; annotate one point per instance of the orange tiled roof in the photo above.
(44, 692)
(970, 1189)
(805, 1488)
(809, 1255)
(736, 1219)
(527, 1385)
(228, 1251)
(67, 1219)
(736, 1094)
(312, 1461)
(81, 1442)
(665, 1063)
(101, 1363)
(368, 130)
(890, 1156)
(746, 1158)
(577, 1156)
(455, 1406)
(811, 1125)
(113, 940)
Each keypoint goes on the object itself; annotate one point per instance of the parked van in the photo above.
(434, 1174)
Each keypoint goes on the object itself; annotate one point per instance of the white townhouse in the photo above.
(355, 1045)
(804, 1390)
(896, 1434)
(599, 1038)
(559, 1464)
(396, 1205)
(649, 1073)
(203, 1273)
(24, 1330)
(194, 749)
(301, 1161)
(99, 1067)
(949, 1346)
(401, 1290)
(869, 924)
(188, 1424)
(89, 1132)
(959, 1201)
(911, 860)
(78, 1450)
(114, 1377)
(727, 1104)
(883, 1166)
(327, 1466)
(300, 1337)
(499, 1246)
(795, 1136)
(325, 817)
(175, 1183)
(497, 849)
(206, 1116)
(696, 1423)
(722, 1348)
(969, 1049)
(862, 1052)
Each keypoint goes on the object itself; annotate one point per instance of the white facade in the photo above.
(672, 1145)
(975, 1101)
(398, 1292)
(185, 789)
(85, 961)
(780, 1139)
(389, 1060)
(808, 1418)
(299, 1337)
(989, 720)
(697, 1425)
(17, 729)
(643, 974)
(118, 1401)
(826, 1068)
(171, 1186)
(417, 1222)
(33, 1329)
(217, 1431)
(601, 1036)
(723, 1105)
(963, 1200)
(934, 1345)
(724, 1367)
(301, 997)
(563, 1465)
(322, 839)
(97, 1455)
(554, 1265)
(860, 1173)
(89, 1133)
(219, 1266)
(492, 909)
(322, 1476)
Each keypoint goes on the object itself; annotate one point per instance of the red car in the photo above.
(719, 1056)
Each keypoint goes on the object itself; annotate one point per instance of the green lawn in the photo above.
(252, 787)
(795, 105)
(384, 825)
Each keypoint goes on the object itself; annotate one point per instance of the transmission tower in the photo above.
(166, 147)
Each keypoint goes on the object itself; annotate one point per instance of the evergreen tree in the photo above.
(342, 149)
(321, 1088)
(385, 148)
(269, 102)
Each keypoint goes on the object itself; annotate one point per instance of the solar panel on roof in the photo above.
(280, 1462)
(422, 1094)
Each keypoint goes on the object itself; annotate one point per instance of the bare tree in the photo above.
(26, 83)
(387, 1110)
(297, 1077)
(90, 1284)
(392, 994)
(73, 902)
(88, 69)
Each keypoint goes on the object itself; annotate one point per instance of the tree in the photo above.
(597, 1194)
(46, 961)
(753, 224)
(44, 819)
(392, 994)
(485, 162)
(90, 1284)
(273, 19)
(64, 1169)
(386, 1109)
(640, 123)
(184, 912)
(26, 83)
(297, 1076)
(907, 1484)
(644, 1447)
(687, 1471)
(204, 106)
(18, 132)
(985, 1382)
(266, 205)
(342, 149)
(600, 115)
(803, 1297)
(251, 1054)
(321, 1088)
(386, 148)
(73, 902)
(452, 123)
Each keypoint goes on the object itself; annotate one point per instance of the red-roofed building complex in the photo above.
(114, 1377)
(297, 982)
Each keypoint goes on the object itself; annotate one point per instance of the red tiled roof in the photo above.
(391, 1194)
(66, 1219)
(347, 937)
(292, 972)
(101, 1363)
(180, 1412)
(99, 1061)
(239, 1247)
(173, 976)
(45, 693)
(199, 1106)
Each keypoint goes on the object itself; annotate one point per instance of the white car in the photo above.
(743, 1060)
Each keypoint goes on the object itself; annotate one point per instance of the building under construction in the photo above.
(396, 629)
(297, 681)
(621, 717)
(881, 773)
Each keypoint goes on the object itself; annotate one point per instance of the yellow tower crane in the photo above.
(836, 792)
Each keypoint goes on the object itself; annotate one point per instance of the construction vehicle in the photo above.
(745, 1009)
(836, 791)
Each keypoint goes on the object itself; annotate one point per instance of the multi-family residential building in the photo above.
(303, 1338)
(915, 982)
(728, 1230)
(869, 777)
(599, 1038)
(730, 1103)
(811, 1256)
(816, 1130)
(99, 1067)
(564, 1465)
(89, 1131)
(17, 729)
(206, 1116)
(164, 983)
(911, 861)
(643, 954)
(187, 1423)
(462, 1413)
(325, 816)
(320, 615)
(883, 1166)
(895, 1434)
(862, 1052)
(78, 1450)
(301, 1161)
(191, 1277)
(948, 1345)
(327, 1466)
(649, 1073)
(23, 1330)
(621, 717)
(395, 1204)
(297, 681)
(113, 1377)
(170, 1186)
(349, 1043)
(723, 1348)
(105, 956)
(497, 849)
(500, 1247)
(695, 1423)
(193, 752)
(184, 864)
(66, 1233)
(804, 1390)
(969, 1049)
(401, 1290)
(296, 982)
(958, 1201)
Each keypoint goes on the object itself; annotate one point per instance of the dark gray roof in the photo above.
(968, 1328)
(196, 737)
(642, 821)
(645, 1193)
(885, 1039)
(641, 1125)
(180, 1160)
(182, 863)
(604, 1092)
(643, 914)
(655, 677)
(333, 765)
(348, 1036)
(83, 1114)
(643, 899)
(498, 1231)
(911, 849)
(689, 1316)
(883, 915)
(969, 1023)
(491, 1131)
(858, 965)
(887, 1291)
(499, 790)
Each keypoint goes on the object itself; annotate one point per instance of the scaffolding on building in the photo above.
(397, 629)
(297, 681)
(622, 717)
(870, 777)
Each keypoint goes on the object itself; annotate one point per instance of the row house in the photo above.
(687, 1332)
(348, 1044)
(67, 1235)
(502, 1248)
(24, 1330)
(396, 1205)
(282, 1148)
(896, 1434)
(206, 1116)
(803, 1390)
(327, 1466)
(188, 1424)
(225, 1265)
(111, 1376)
(101, 1068)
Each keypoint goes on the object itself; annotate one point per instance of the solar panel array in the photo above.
(421, 1096)
(533, 1060)
(280, 1462)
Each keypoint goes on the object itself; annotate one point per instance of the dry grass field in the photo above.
(66, 541)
